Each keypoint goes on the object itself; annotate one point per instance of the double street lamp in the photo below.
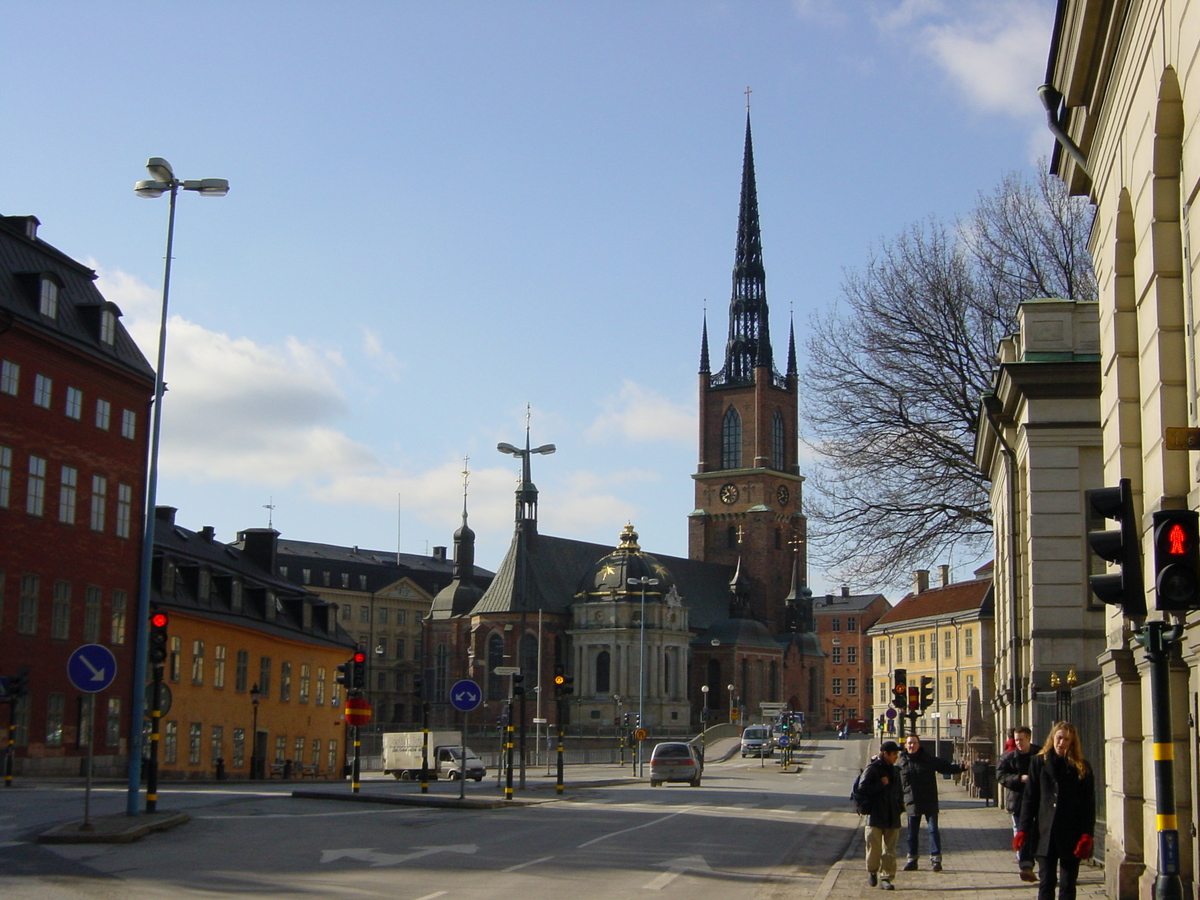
(255, 693)
(162, 181)
(643, 581)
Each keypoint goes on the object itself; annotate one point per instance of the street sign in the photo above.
(735, 714)
(772, 707)
(91, 668)
(640, 734)
(358, 711)
(890, 713)
(164, 699)
(507, 670)
(465, 695)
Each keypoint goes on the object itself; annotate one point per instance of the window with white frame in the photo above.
(852, 687)
(74, 408)
(99, 501)
(120, 601)
(10, 377)
(43, 391)
(66, 495)
(968, 642)
(197, 663)
(103, 414)
(35, 496)
(108, 326)
(91, 614)
(27, 608)
(128, 424)
(124, 509)
(5, 476)
(48, 299)
(836, 684)
(219, 666)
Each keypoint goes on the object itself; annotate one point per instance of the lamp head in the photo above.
(508, 448)
(150, 188)
(208, 187)
(160, 169)
(545, 448)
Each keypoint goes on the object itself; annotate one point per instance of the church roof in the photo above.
(743, 632)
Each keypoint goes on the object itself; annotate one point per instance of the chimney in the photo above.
(261, 547)
(845, 590)
(208, 533)
(944, 575)
(439, 553)
(920, 581)
(165, 516)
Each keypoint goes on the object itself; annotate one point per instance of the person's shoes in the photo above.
(910, 866)
(887, 885)
(872, 879)
(1027, 874)
(937, 865)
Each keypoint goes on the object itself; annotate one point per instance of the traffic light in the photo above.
(568, 685)
(926, 692)
(344, 675)
(914, 699)
(900, 689)
(518, 685)
(158, 637)
(1176, 559)
(1125, 589)
(560, 678)
(358, 670)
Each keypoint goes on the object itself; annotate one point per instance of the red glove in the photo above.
(1084, 848)
(1018, 840)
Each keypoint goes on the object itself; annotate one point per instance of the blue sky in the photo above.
(443, 211)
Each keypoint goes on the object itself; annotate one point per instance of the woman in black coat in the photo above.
(1058, 811)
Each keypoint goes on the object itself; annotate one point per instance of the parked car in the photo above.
(675, 761)
(858, 726)
(756, 741)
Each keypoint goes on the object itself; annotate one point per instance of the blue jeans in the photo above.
(935, 836)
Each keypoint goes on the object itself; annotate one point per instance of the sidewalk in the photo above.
(976, 854)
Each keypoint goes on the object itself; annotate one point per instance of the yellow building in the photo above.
(944, 634)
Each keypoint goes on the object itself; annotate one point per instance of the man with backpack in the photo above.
(877, 795)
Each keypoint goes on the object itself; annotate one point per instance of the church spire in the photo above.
(704, 370)
(791, 365)
(749, 344)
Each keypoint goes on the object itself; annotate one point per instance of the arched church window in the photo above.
(731, 440)
(778, 443)
(441, 669)
(773, 682)
(495, 657)
(603, 672)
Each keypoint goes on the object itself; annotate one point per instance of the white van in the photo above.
(756, 741)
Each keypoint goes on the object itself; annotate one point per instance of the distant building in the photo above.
(842, 622)
(74, 409)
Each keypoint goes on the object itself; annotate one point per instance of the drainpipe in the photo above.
(1051, 98)
(1014, 639)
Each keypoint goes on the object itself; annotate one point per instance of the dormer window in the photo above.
(48, 298)
(108, 326)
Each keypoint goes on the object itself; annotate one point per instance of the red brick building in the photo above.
(842, 621)
(74, 413)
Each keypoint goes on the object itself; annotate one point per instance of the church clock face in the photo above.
(729, 493)
(783, 494)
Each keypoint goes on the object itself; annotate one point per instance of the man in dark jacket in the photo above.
(881, 784)
(919, 770)
(1013, 773)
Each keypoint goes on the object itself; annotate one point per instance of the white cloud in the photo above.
(383, 360)
(639, 414)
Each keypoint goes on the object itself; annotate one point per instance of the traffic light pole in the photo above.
(155, 719)
(1156, 638)
(559, 783)
(424, 746)
(508, 752)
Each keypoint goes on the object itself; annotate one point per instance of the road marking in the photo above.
(532, 862)
(323, 815)
(376, 859)
(675, 868)
(432, 896)
(605, 837)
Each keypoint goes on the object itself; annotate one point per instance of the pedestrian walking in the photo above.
(1013, 772)
(919, 770)
(881, 785)
(1058, 812)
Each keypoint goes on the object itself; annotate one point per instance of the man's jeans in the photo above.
(935, 836)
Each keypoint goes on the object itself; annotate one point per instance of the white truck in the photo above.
(402, 756)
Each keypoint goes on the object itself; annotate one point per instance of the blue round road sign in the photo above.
(465, 695)
(92, 668)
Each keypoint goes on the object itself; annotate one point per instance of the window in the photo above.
(43, 391)
(835, 624)
(197, 663)
(851, 623)
(239, 747)
(883, 692)
(883, 653)
(778, 443)
(280, 748)
(112, 723)
(400, 616)
(108, 326)
(347, 609)
(948, 691)
(204, 584)
(364, 614)
(217, 743)
(933, 646)
(55, 704)
(970, 684)
(399, 648)
(946, 645)
(731, 440)
(285, 682)
(320, 699)
(48, 299)
(921, 648)
(852, 656)
(298, 751)
(27, 610)
(175, 659)
(66, 495)
(124, 509)
(912, 648)
(852, 687)
(362, 582)
(240, 671)
(194, 743)
(74, 403)
(103, 414)
(305, 681)
(10, 378)
(91, 615)
(899, 651)
(383, 613)
(128, 424)
(333, 751)
(835, 654)
(837, 686)
(171, 743)
(35, 497)
(345, 579)
(306, 576)
(5, 476)
(99, 498)
(235, 595)
(316, 753)
(219, 666)
(968, 642)
(60, 611)
(381, 681)
(603, 671)
(117, 630)
(264, 675)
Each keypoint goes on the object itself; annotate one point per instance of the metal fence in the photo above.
(1083, 707)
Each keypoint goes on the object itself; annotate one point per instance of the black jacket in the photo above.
(918, 773)
(1057, 804)
(887, 800)
(1009, 770)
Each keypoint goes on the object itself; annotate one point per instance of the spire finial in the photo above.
(269, 506)
(466, 475)
(747, 92)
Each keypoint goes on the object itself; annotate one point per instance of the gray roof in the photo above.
(833, 604)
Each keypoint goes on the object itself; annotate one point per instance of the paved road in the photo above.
(750, 832)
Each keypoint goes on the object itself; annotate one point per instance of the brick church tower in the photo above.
(748, 482)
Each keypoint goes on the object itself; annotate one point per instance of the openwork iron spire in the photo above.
(749, 344)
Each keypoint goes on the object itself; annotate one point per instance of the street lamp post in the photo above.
(703, 715)
(620, 728)
(642, 581)
(732, 717)
(163, 181)
(255, 693)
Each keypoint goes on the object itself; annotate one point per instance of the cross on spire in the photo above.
(747, 92)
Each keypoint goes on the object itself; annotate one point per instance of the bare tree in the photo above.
(895, 375)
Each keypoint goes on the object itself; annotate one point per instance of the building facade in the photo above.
(74, 409)
(842, 625)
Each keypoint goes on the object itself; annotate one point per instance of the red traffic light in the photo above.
(159, 620)
(1176, 540)
(359, 657)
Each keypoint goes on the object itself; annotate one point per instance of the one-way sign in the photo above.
(465, 695)
(92, 668)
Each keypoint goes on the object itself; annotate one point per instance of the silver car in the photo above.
(675, 761)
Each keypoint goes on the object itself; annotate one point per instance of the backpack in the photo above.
(862, 803)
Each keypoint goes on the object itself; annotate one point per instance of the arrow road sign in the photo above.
(376, 858)
(465, 695)
(92, 668)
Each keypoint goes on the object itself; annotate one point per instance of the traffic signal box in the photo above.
(926, 698)
(158, 638)
(900, 689)
(1121, 546)
(1176, 559)
(358, 671)
(518, 684)
(564, 684)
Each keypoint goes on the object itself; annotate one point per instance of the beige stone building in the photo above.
(1038, 441)
(1123, 94)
